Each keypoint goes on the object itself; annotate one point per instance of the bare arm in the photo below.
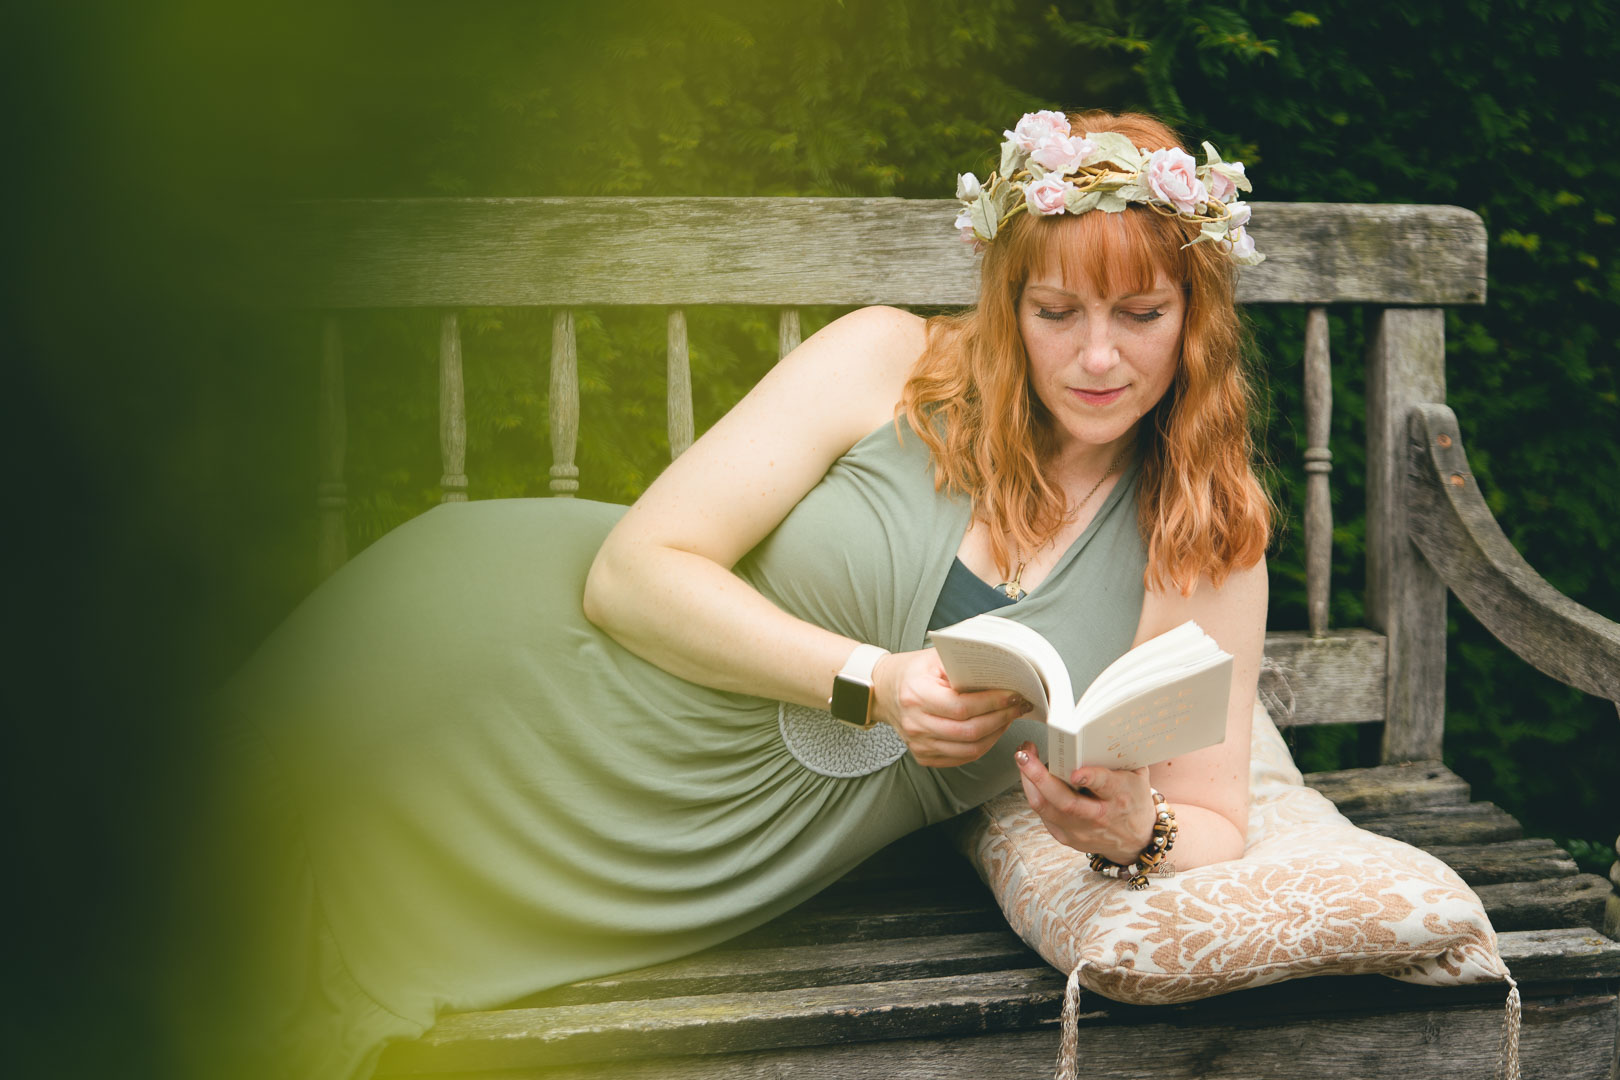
(1208, 789)
(662, 584)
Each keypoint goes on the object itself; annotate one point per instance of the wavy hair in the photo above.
(1200, 508)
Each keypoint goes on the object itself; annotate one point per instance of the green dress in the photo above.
(449, 790)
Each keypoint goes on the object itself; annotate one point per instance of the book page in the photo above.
(1175, 718)
(989, 652)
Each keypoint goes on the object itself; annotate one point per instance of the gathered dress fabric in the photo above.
(442, 788)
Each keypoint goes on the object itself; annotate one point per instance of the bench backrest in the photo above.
(1404, 262)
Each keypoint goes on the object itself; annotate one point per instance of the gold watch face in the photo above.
(851, 702)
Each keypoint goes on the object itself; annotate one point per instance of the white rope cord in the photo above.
(1068, 1063)
(1507, 1062)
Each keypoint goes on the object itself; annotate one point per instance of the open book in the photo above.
(1167, 696)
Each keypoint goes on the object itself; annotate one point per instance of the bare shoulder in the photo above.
(862, 359)
(1232, 612)
(886, 341)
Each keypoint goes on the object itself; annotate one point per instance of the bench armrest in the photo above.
(1450, 524)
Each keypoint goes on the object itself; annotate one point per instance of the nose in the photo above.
(1098, 350)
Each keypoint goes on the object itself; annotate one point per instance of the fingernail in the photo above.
(1011, 702)
(1022, 756)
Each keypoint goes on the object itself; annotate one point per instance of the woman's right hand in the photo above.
(941, 727)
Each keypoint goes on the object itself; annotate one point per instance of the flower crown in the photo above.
(1045, 169)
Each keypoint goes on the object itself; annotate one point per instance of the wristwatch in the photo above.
(851, 700)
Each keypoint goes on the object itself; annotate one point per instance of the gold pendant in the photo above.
(1012, 590)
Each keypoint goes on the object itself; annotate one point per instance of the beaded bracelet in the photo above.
(1158, 846)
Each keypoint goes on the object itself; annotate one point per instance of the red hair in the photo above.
(1200, 510)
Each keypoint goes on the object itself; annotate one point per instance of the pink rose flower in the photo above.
(1062, 153)
(1240, 214)
(1045, 196)
(1172, 175)
(1037, 127)
(1221, 187)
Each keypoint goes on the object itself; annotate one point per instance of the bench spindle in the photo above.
(564, 406)
(787, 331)
(452, 412)
(1406, 600)
(332, 434)
(1318, 464)
(680, 385)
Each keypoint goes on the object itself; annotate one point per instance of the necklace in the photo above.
(1013, 588)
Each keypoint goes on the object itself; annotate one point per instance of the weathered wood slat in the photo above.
(1476, 823)
(452, 412)
(1559, 954)
(792, 966)
(1338, 679)
(1391, 789)
(1437, 1033)
(1506, 860)
(678, 370)
(1567, 1038)
(1537, 905)
(518, 1038)
(868, 916)
(332, 437)
(368, 253)
(564, 404)
(787, 332)
(1406, 366)
(1450, 523)
(1318, 464)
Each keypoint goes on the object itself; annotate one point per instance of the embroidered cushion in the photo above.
(1312, 895)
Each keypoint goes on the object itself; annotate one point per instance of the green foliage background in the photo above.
(166, 487)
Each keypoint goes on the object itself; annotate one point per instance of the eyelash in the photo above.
(1059, 316)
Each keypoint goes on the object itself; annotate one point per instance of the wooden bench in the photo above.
(906, 968)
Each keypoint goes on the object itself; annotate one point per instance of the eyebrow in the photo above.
(1073, 296)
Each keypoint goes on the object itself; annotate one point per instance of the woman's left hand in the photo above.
(1106, 812)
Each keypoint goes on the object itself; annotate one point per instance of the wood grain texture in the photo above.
(1529, 859)
(1536, 905)
(732, 1022)
(1338, 679)
(452, 412)
(1570, 1037)
(678, 376)
(1475, 823)
(787, 331)
(332, 439)
(1559, 954)
(1406, 367)
(1450, 523)
(1318, 464)
(792, 966)
(564, 406)
(1391, 789)
(610, 251)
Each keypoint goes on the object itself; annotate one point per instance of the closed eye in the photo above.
(1055, 316)
(1145, 316)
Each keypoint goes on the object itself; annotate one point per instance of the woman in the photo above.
(465, 792)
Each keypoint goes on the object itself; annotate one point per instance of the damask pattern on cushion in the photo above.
(1313, 894)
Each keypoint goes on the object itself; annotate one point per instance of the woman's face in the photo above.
(1099, 363)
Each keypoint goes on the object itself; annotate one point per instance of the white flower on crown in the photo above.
(1172, 175)
(1035, 128)
(967, 187)
(1046, 195)
(1062, 154)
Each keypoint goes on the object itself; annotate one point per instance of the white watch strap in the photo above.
(862, 661)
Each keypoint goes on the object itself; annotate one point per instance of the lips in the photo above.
(1097, 397)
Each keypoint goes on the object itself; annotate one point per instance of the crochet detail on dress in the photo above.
(826, 746)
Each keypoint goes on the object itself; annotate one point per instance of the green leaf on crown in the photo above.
(1077, 202)
(1113, 147)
